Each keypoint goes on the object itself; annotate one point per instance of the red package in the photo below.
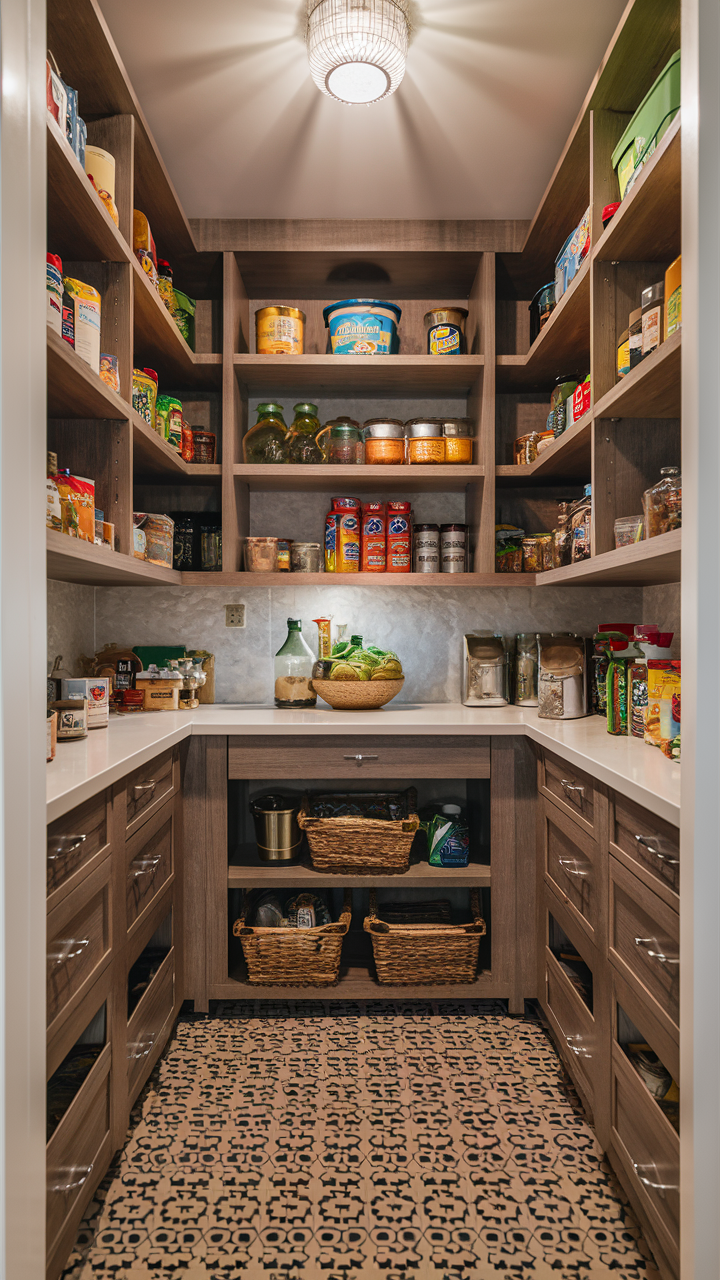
(399, 537)
(374, 537)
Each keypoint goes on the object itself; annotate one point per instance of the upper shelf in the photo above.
(160, 344)
(72, 560)
(561, 348)
(398, 377)
(324, 478)
(647, 226)
(651, 390)
(73, 389)
(567, 458)
(654, 562)
(79, 226)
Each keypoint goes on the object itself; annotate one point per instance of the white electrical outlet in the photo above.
(234, 615)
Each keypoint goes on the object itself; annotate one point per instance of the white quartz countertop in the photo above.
(81, 769)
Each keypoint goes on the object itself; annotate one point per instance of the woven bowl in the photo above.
(357, 695)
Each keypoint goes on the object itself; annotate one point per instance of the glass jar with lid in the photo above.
(384, 441)
(458, 435)
(301, 444)
(425, 440)
(265, 442)
(662, 504)
(341, 442)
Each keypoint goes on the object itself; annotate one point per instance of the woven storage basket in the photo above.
(293, 957)
(359, 846)
(425, 954)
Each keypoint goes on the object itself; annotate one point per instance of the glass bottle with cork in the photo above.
(293, 670)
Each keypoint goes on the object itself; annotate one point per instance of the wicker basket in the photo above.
(359, 846)
(278, 957)
(425, 954)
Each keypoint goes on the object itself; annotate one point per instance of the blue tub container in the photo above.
(363, 327)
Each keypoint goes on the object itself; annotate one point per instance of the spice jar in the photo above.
(203, 445)
(653, 306)
(306, 557)
(344, 443)
(525, 449)
(265, 442)
(384, 441)
(210, 548)
(545, 550)
(458, 435)
(284, 550)
(662, 504)
(261, 555)
(426, 442)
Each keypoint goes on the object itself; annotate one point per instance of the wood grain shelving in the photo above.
(323, 478)
(339, 581)
(402, 377)
(79, 226)
(70, 560)
(647, 226)
(656, 561)
(74, 389)
(561, 347)
(247, 871)
(567, 458)
(356, 983)
(651, 390)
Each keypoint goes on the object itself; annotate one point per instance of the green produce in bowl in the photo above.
(343, 670)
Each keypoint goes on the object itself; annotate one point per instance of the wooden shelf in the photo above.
(249, 872)
(358, 984)
(342, 580)
(74, 390)
(653, 562)
(651, 390)
(399, 377)
(647, 226)
(79, 227)
(324, 478)
(160, 344)
(567, 458)
(561, 347)
(154, 459)
(70, 560)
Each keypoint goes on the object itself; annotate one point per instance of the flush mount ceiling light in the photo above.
(357, 48)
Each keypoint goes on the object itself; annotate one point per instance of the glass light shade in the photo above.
(357, 48)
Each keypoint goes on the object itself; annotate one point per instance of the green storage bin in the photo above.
(651, 120)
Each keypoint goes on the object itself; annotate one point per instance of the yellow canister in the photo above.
(280, 331)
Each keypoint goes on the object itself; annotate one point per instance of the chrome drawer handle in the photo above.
(140, 787)
(652, 843)
(64, 1188)
(575, 1046)
(571, 786)
(660, 1187)
(141, 1048)
(67, 949)
(647, 943)
(571, 866)
(147, 867)
(359, 759)
(62, 849)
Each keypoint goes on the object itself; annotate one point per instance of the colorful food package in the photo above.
(673, 297)
(110, 371)
(53, 516)
(579, 403)
(144, 394)
(56, 96)
(96, 691)
(87, 306)
(183, 313)
(572, 255)
(399, 537)
(169, 420)
(347, 542)
(165, 284)
(54, 287)
(662, 716)
(159, 533)
(373, 538)
(187, 450)
(144, 246)
(77, 503)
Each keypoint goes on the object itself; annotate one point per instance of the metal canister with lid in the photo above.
(426, 548)
(280, 331)
(453, 548)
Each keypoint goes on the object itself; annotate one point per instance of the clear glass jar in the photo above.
(532, 555)
(293, 670)
(266, 441)
(384, 441)
(526, 669)
(425, 441)
(301, 443)
(458, 435)
(581, 526)
(662, 504)
(343, 444)
(561, 543)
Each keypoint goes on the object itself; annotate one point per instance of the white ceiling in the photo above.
(491, 91)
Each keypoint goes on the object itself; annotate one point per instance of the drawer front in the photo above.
(371, 757)
(573, 1024)
(149, 1020)
(78, 945)
(644, 943)
(78, 1151)
(76, 840)
(571, 789)
(648, 1150)
(150, 862)
(571, 867)
(649, 846)
(149, 787)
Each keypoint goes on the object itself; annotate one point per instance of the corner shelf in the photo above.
(561, 347)
(655, 561)
(153, 458)
(159, 342)
(79, 226)
(646, 227)
(652, 389)
(70, 560)
(325, 478)
(567, 458)
(74, 390)
(399, 377)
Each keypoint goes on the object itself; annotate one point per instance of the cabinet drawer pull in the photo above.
(146, 867)
(63, 845)
(141, 1048)
(572, 787)
(70, 1179)
(67, 949)
(359, 759)
(573, 868)
(642, 1171)
(654, 845)
(660, 956)
(141, 787)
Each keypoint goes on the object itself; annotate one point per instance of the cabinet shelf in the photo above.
(568, 458)
(160, 344)
(324, 478)
(357, 983)
(652, 389)
(79, 227)
(74, 390)
(656, 561)
(249, 872)
(646, 227)
(399, 377)
(561, 347)
(154, 459)
(70, 560)
(342, 580)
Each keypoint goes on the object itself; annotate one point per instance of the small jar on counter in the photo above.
(160, 688)
(384, 441)
(426, 548)
(426, 443)
(458, 434)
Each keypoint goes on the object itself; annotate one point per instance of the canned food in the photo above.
(453, 548)
(426, 548)
(280, 331)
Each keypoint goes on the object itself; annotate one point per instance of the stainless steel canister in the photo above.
(277, 832)
(426, 548)
(453, 548)
(486, 670)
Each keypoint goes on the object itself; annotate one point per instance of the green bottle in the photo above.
(293, 670)
(301, 445)
(266, 441)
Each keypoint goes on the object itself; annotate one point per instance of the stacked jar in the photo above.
(384, 441)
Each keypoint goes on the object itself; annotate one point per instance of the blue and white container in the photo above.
(363, 327)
